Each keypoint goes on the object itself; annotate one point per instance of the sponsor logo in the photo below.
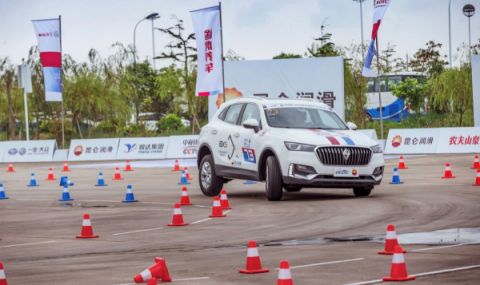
(223, 144)
(341, 172)
(354, 172)
(236, 162)
(346, 154)
(397, 141)
(130, 147)
(233, 145)
(190, 150)
(263, 133)
(78, 150)
(12, 151)
(22, 151)
(249, 155)
(247, 143)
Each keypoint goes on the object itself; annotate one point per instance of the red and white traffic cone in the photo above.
(159, 271)
(284, 274)
(476, 164)
(50, 175)
(128, 167)
(390, 241)
(177, 166)
(401, 164)
(186, 173)
(10, 167)
(87, 230)
(224, 200)
(253, 260)
(448, 172)
(477, 180)
(177, 217)
(398, 271)
(117, 175)
(217, 209)
(152, 281)
(185, 200)
(65, 167)
(3, 279)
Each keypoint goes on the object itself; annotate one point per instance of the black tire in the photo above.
(290, 188)
(273, 180)
(362, 192)
(216, 182)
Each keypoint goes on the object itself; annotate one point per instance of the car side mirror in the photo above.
(352, 126)
(251, 124)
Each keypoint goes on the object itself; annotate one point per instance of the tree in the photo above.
(233, 56)
(170, 122)
(429, 60)
(7, 76)
(283, 55)
(412, 92)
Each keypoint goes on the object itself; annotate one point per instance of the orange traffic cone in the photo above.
(128, 167)
(177, 166)
(390, 241)
(10, 167)
(87, 230)
(3, 279)
(448, 172)
(185, 200)
(65, 167)
(186, 173)
(476, 164)
(224, 200)
(177, 217)
(253, 260)
(401, 164)
(117, 175)
(284, 274)
(152, 281)
(50, 175)
(159, 271)
(398, 271)
(477, 181)
(217, 209)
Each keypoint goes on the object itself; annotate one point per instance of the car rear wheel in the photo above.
(210, 183)
(273, 179)
(361, 191)
(290, 188)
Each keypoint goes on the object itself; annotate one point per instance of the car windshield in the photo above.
(279, 116)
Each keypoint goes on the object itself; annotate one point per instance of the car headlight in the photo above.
(376, 149)
(299, 147)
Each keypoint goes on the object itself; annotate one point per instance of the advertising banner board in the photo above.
(371, 133)
(182, 147)
(401, 141)
(476, 88)
(93, 149)
(2, 148)
(459, 140)
(29, 151)
(143, 148)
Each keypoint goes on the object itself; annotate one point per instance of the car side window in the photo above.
(222, 114)
(251, 112)
(232, 114)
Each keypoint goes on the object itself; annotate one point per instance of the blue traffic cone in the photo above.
(129, 197)
(396, 177)
(33, 181)
(65, 194)
(64, 180)
(250, 182)
(100, 182)
(2, 192)
(183, 179)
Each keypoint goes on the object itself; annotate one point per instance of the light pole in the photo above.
(361, 25)
(151, 17)
(469, 11)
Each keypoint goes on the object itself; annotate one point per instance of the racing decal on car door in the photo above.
(233, 147)
(249, 155)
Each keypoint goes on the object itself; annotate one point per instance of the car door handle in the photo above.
(214, 132)
(236, 135)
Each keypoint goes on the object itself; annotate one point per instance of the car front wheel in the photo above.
(273, 179)
(210, 183)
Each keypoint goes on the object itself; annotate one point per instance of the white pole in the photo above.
(361, 27)
(469, 43)
(24, 79)
(153, 44)
(450, 33)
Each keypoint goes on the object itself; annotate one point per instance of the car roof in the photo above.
(260, 101)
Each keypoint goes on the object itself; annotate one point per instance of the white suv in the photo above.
(288, 143)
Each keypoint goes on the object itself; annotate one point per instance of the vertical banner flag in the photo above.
(206, 23)
(380, 9)
(48, 36)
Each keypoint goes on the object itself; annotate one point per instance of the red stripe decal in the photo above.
(333, 140)
(203, 93)
(51, 59)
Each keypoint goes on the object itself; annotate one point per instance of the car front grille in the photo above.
(335, 155)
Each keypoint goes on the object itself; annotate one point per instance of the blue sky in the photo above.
(255, 29)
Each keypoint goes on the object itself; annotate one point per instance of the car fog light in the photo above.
(378, 171)
(304, 169)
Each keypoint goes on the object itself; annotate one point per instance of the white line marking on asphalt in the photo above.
(33, 243)
(35, 200)
(437, 247)
(136, 231)
(324, 263)
(209, 218)
(174, 280)
(421, 274)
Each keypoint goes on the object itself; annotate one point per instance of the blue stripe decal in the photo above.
(348, 140)
(215, 92)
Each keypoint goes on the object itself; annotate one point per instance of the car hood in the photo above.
(325, 137)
